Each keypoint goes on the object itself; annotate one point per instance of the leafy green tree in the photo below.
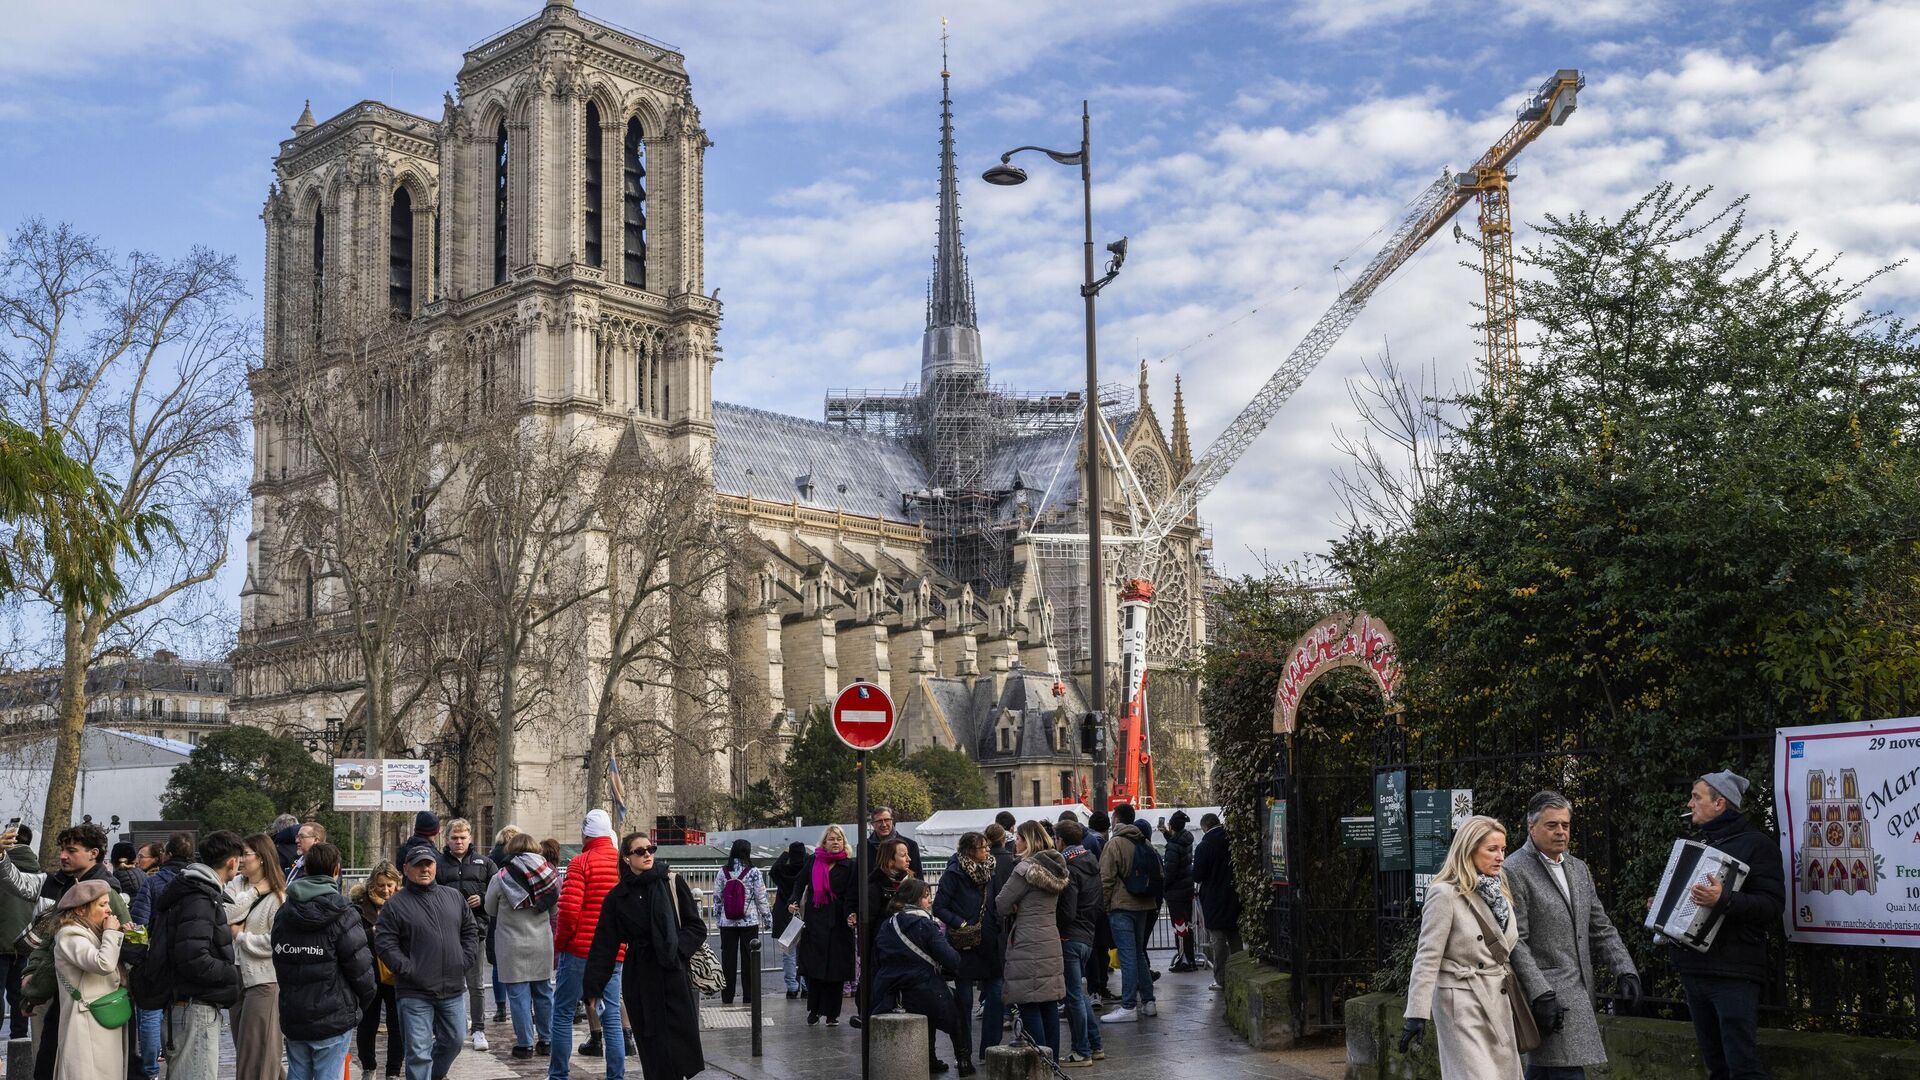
(818, 765)
(758, 807)
(1689, 521)
(892, 786)
(953, 780)
(249, 761)
(243, 810)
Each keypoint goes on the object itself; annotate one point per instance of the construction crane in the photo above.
(1142, 548)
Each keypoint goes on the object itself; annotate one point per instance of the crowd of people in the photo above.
(119, 963)
(1020, 921)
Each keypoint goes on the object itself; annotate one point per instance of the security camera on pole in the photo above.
(863, 717)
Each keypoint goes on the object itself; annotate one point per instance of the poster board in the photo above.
(1392, 835)
(1278, 871)
(1847, 797)
(1436, 815)
(401, 785)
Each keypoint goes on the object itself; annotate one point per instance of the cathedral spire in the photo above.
(952, 341)
(1182, 447)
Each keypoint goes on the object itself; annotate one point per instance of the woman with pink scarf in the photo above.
(829, 897)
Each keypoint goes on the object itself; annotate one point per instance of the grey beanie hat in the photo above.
(1730, 785)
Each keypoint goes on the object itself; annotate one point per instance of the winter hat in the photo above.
(83, 893)
(425, 824)
(1177, 821)
(1730, 785)
(797, 849)
(123, 852)
(597, 823)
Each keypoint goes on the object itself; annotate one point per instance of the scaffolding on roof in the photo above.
(958, 423)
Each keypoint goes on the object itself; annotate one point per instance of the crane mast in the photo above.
(1486, 180)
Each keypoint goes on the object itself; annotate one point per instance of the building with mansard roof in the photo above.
(553, 214)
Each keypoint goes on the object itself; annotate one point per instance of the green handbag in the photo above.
(110, 1010)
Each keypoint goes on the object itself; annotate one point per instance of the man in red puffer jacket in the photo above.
(590, 877)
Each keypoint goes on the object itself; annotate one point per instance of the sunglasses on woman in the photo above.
(639, 851)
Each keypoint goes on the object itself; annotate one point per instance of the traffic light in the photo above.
(1093, 731)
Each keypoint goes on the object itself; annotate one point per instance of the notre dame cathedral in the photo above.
(554, 212)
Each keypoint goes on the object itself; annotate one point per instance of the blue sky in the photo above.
(1245, 147)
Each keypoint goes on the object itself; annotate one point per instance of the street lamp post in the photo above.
(1007, 174)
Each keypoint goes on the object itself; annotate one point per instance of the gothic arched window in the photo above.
(591, 218)
(633, 205)
(319, 267)
(500, 205)
(400, 254)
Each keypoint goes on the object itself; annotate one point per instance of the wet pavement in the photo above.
(1188, 1039)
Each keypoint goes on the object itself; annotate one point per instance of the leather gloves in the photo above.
(1628, 987)
(1411, 1033)
(1548, 1014)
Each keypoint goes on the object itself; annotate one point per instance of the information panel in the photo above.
(1848, 800)
(1390, 825)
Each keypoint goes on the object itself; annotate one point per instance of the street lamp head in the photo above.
(1005, 175)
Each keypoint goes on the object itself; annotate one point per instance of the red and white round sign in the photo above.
(863, 716)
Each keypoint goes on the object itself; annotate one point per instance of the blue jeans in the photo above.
(435, 1030)
(1130, 930)
(1082, 1024)
(150, 1024)
(322, 1059)
(569, 973)
(1041, 1021)
(790, 970)
(1726, 1022)
(992, 1022)
(531, 1006)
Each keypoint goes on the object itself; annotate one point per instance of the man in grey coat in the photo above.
(1561, 926)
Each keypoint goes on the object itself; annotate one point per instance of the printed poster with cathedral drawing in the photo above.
(1847, 798)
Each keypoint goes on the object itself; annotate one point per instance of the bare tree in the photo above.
(534, 492)
(1385, 481)
(663, 685)
(368, 447)
(137, 363)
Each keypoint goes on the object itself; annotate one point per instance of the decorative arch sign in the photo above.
(1346, 639)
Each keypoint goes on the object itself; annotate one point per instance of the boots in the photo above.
(592, 1047)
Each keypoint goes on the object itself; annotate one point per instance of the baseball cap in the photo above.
(420, 854)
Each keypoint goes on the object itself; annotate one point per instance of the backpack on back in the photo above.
(733, 896)
(149, 982)
(1144, 878)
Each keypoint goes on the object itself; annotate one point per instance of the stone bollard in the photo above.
(899, 1047)
(20, 1057)
(1013, 1063)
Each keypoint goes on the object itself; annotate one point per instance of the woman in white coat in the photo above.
(86, 958)
(257, 899)
(1459, 978)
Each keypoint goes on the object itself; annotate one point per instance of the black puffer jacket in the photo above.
(468, 874)
(1177, 864)
(189, 922)
(786, 886)
(1752, 911)
(1089, 905)
(322, 960)
(428, 938)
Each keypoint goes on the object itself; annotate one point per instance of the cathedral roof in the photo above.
(1046, 465)
(774, 457)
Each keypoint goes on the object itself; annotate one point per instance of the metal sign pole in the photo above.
(866, 975)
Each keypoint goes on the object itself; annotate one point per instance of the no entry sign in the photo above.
(863, 716)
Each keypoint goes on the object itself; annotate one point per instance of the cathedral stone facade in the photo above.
(553, 214)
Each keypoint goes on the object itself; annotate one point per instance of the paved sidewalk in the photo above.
(1189, 1040)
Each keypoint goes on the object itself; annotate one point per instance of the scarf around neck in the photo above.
(823, 863)
(663, 915)
(979, 871)
(1489, 889)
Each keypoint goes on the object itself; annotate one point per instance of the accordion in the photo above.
(1674, 915)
